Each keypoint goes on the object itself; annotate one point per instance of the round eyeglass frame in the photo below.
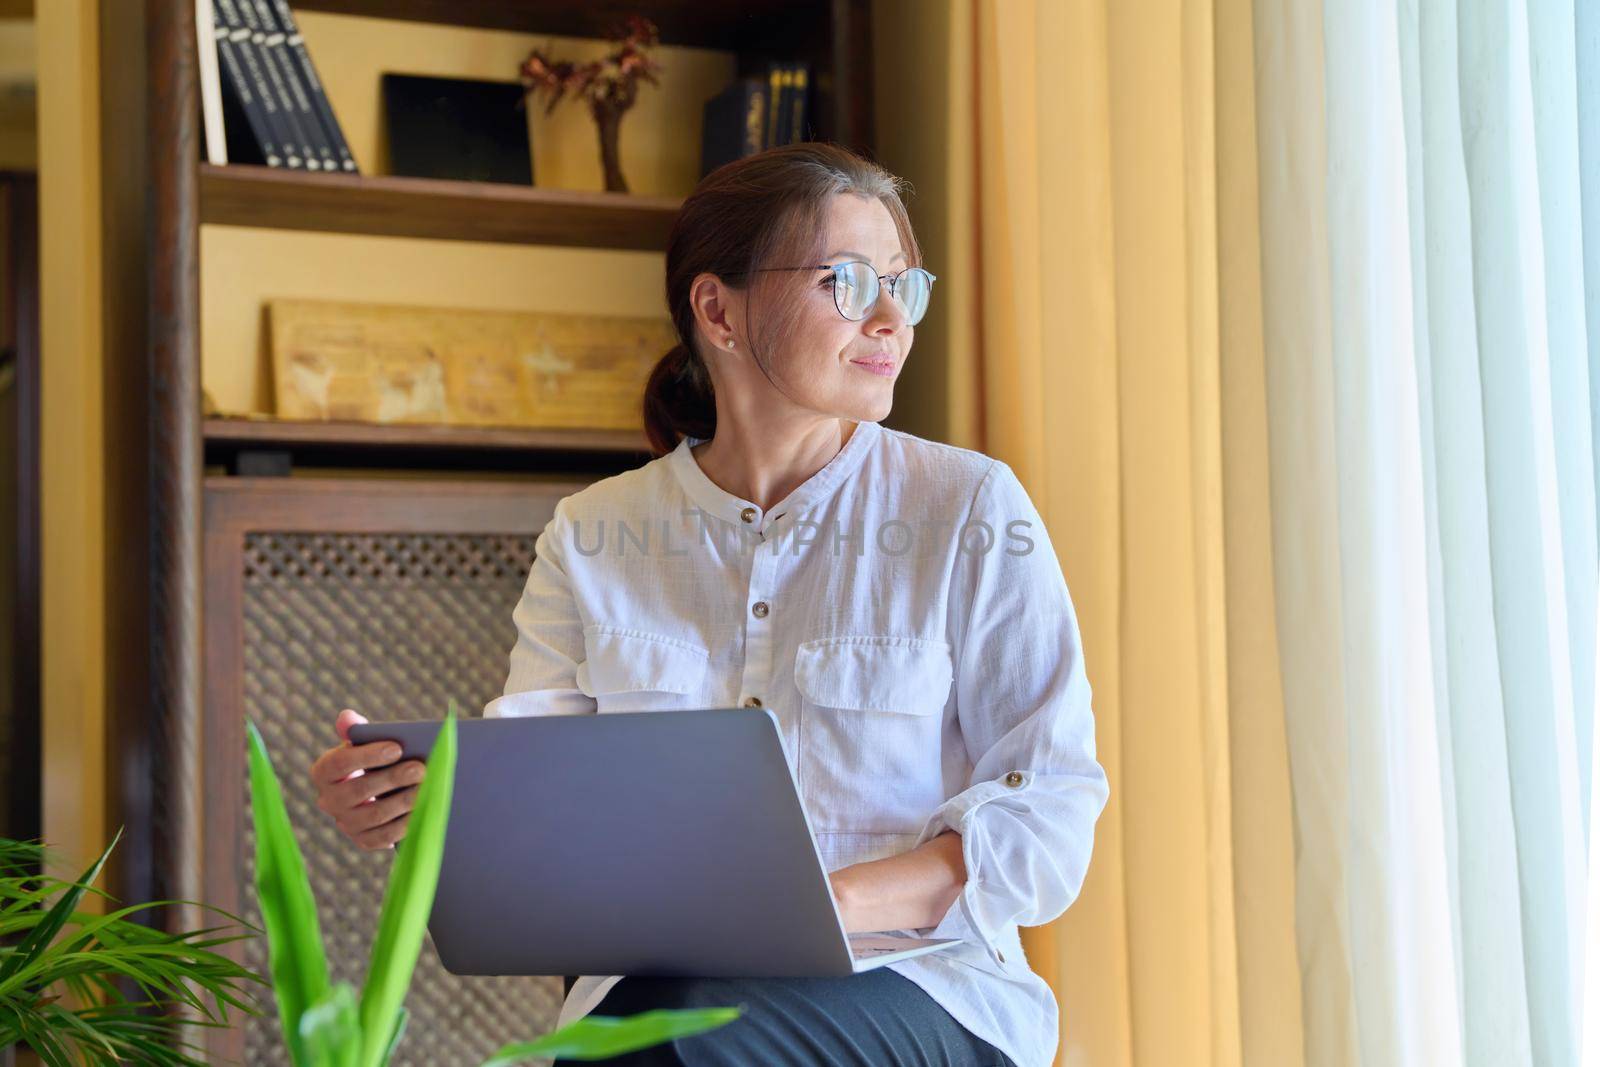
(894, 283)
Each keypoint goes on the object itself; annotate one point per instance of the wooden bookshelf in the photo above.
(277, 198)
(162, 623)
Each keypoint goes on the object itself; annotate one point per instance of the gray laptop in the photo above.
(660, 843)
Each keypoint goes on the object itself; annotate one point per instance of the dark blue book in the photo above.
(319, 152)
(271, 90)
(331, 130)
(734, 124)
(252, 135)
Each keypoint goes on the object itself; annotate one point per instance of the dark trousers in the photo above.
(875, 1019)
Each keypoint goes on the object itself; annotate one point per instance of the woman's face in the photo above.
(826, 363)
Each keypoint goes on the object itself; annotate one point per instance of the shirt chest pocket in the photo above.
(634, 670)
(872, 720)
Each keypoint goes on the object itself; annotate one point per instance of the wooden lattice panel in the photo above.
(394, 625)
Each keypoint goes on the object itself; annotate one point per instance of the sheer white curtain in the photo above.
(1430, 220)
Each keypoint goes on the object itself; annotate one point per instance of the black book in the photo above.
(298, 150)
(242, 106)
(319, 98)
(464, 129)
(733, 124)
(277, 48)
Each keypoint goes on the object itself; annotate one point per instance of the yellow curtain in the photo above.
(1091, 192)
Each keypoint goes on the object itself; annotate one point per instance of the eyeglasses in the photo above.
(856, 287)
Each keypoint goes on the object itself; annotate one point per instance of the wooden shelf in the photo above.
(733, 25)
(275, 198)
(284, 434)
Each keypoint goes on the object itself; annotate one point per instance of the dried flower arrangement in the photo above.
(611, 85)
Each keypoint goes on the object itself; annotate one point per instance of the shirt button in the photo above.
(752, 702)
(1001, 956)
(759, 609)
(748, 514)
(1014, 779)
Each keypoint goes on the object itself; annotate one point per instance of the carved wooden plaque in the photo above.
(391, 363)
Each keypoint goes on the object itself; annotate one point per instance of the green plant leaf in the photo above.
(330, 1030)
(408, 900)
(399, 1032)
(20, 858)
(78, 962)
(40, 936)
(598, 1037)
(297, 960)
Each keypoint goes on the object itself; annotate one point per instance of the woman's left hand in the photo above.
(911, 891)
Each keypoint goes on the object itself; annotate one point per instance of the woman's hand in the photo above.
(910, 891)
(372, 807)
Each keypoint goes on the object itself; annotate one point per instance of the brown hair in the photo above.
(766, 209)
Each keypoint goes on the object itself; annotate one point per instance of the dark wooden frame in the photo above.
(19, 202)
(174, 431)
(235, 507)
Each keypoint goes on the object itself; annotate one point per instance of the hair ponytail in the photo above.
(678, 400)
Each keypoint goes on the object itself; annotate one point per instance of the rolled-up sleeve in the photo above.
(542, 679)
(1027, 815)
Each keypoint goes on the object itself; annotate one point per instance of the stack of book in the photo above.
(755, 113)
(260, 94)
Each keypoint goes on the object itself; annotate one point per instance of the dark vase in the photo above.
(609, 121)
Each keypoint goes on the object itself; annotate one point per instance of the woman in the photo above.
(894, 602)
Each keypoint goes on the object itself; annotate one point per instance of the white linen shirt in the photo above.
(903, 616)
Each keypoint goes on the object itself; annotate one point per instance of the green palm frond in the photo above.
(63, 972)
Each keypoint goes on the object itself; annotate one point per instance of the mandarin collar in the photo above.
(722, 504)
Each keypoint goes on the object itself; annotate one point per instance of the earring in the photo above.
(730, 342)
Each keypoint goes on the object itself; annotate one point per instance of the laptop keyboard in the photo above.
(866, 952)
(863, 948)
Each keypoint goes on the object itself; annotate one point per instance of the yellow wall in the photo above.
(72, 464)
(926, 56)
(18, 64)
(660, 150)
